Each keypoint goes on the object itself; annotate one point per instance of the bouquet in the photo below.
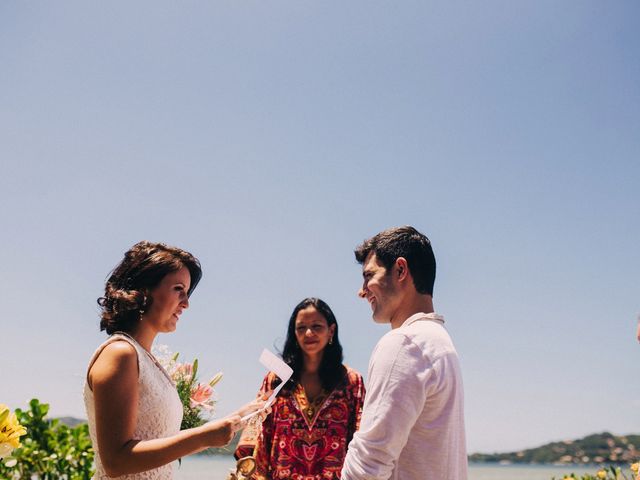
(10, 433)
(197, 398)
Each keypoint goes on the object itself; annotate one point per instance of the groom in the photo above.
(412, 424)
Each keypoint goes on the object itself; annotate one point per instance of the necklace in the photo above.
(314, 405)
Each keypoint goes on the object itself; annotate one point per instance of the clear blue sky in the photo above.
(270, 138)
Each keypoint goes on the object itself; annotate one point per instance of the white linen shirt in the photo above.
(412, 424)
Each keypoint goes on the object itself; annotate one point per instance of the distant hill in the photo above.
(71, 421)
(597, 448)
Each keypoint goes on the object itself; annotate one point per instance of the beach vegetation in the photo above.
(50, 450)
(609, 473)
(10, 432)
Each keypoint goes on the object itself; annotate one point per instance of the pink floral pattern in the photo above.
(292, 446)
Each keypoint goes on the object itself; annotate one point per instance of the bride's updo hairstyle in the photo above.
(127, 292)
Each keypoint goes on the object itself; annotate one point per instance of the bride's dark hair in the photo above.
(126, 294)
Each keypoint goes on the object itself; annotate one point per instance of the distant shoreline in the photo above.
(588, 452)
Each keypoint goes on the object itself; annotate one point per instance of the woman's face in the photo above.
(169, 300)
(312, 331)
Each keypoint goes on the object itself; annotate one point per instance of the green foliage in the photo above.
(190, 415)
(50, 450)
(610, 473)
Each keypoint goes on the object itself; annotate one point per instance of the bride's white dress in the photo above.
(159, 409)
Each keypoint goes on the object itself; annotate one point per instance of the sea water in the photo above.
(217, 467)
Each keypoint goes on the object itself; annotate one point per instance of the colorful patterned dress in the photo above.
(302, 441)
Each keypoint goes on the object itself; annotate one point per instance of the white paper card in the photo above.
(276, 365)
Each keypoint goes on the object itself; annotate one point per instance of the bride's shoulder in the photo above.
(118, 350)
(115, 359)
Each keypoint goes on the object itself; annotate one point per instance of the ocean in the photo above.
(217, 467)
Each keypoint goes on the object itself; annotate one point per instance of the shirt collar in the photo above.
(434, 317)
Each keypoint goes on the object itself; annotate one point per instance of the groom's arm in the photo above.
(396, 394)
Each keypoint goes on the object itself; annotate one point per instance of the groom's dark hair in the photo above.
(408, 243)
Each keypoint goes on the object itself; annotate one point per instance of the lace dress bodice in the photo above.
(159, 409)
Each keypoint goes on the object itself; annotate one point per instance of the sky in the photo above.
(270, 138)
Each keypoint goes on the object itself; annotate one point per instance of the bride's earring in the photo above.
(143, 309)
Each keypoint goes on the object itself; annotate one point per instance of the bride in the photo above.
(132, 405)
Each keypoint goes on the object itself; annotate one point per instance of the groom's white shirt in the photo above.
(412, 423)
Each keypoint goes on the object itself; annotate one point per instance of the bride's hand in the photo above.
(254, 405)
(220, 432)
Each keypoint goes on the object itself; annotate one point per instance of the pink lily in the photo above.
(201, 396)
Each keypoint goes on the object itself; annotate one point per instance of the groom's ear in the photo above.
(401, 268)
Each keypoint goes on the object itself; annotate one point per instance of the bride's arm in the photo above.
(114, 381)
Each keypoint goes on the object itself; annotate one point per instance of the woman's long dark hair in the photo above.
(331, 370)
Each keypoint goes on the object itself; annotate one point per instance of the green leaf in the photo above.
(50, 450)
(195, 371)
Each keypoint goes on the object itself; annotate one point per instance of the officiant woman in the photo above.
(316, 413)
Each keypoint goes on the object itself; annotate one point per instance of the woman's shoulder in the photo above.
(117, 349)
(111, 359)
(353, 376)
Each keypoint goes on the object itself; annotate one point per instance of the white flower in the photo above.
(162, 354)
(5, 449)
